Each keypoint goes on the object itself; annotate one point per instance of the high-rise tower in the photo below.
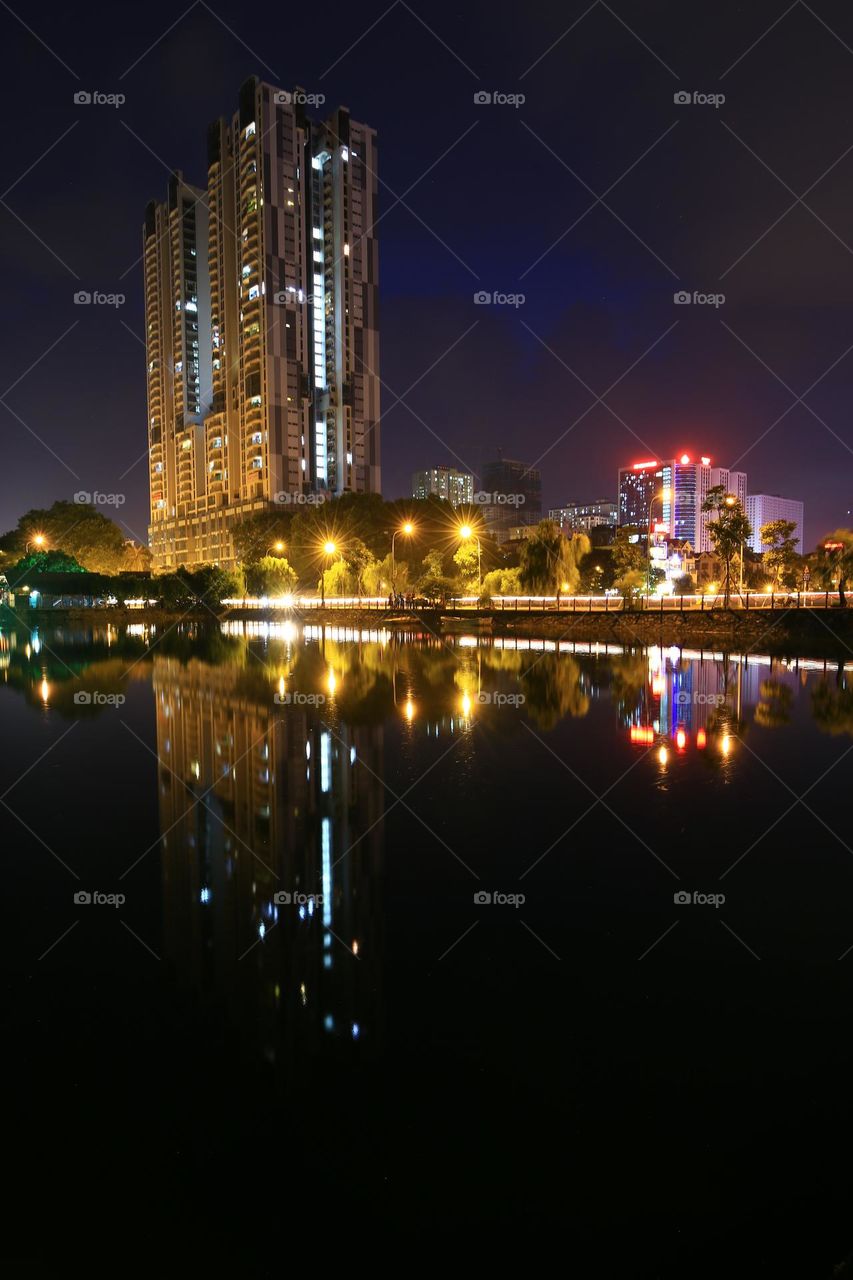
(270, 280)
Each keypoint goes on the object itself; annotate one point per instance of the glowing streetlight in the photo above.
(38, 539)
(407, 529)
(278, 546)
(466, 533)
(329, 549)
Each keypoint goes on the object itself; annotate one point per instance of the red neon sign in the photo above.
(643, 466)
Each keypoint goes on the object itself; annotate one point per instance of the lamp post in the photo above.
(277, 547)
(39, 541)
(407, 529)
(466, 533)
(329, 550)
(661, 497)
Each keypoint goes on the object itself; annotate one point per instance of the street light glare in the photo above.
(465, 531)
(329, 548)
(408, 527)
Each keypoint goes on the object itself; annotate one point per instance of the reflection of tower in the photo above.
(259, 800)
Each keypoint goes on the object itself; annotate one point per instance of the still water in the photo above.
(311, 929)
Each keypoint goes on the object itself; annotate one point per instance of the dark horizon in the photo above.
(492, 197)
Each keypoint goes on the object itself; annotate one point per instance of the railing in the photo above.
(748, 600)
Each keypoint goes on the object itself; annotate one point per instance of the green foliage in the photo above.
(627, 556)
(78, 530)
(42, 562)
(728, 531)
(550, 562)
(835, 565)
(271, 576)
(255, 536)
(780, 557)
(502, 582)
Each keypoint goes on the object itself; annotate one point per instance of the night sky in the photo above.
(596, 199)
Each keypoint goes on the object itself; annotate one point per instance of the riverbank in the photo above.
(785, 632)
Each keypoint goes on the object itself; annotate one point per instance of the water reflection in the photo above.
(272, 828)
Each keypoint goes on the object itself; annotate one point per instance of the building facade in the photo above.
(583, 517)
(664, 498)
(511, 496)
(761, 508)
(262, 326)
(456, 487)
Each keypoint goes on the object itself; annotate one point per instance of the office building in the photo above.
(261, 297)
(664, 498)
(511, 495)
(456, 487)
(761, 508)
(583, 517)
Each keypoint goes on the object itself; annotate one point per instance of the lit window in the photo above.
(318, 257)
(246, 271)
(254, 292)
(318, 233)
(249, 131)
(345, 154)
(257, 463)
(346, 250)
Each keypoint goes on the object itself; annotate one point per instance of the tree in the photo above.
(780, 554)
(256, 536)
(834, 561)
(628, 556)
(550, 562)
(467, 558)
(270, 576)
(502, 582)
(728, 531)
(76, 528)
(42, 562)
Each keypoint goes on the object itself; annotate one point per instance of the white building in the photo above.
(761, 508)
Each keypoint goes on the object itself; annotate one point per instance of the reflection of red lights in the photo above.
(642, 734)
(658, 686)
(701, 738)
(680, 739)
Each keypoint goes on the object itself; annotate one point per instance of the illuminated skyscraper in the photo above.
(667, 496)
(262, 325)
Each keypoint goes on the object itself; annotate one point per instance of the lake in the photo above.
(311, 928)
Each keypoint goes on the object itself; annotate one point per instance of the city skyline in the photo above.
(598, 316)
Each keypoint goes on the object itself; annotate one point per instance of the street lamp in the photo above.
(329, 550)
(661, 497)
(39, 541)
(407, 529)
(277, 546)
(466, 533)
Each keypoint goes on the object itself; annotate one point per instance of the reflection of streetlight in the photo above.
(329, 550)
(409, 710)
(408, 529)
(466, 533)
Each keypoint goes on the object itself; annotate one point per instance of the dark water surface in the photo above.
(663, 1086)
